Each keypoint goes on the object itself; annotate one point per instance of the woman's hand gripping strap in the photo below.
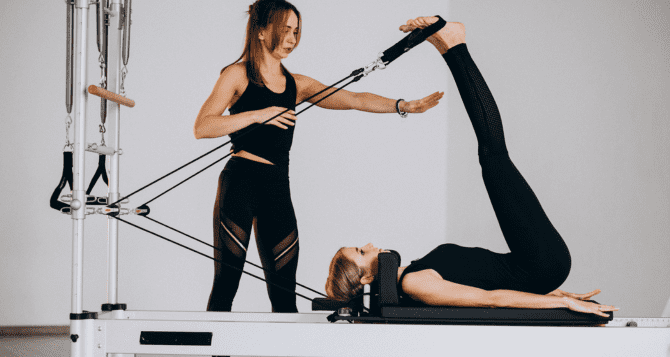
(414, 38)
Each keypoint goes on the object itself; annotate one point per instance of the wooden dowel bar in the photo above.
(103, 93)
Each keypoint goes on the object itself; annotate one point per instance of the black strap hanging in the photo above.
(100, 172)
(66, 178)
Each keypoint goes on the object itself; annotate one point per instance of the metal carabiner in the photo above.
(122, 89)
(377, 64)
(68, 144)
(380, 63)
(103, 130)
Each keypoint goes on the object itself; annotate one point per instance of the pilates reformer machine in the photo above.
(382, 322)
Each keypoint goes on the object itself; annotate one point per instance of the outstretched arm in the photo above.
(428, 287)
(367, 102)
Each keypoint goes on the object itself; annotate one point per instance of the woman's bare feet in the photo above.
(452, 34)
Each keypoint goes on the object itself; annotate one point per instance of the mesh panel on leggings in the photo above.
(235, 238)
(482, 109)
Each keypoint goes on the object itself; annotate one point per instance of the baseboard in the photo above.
(29, 331)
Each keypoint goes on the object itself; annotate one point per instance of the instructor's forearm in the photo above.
(214, 126)
(373, 103)
(518, 299)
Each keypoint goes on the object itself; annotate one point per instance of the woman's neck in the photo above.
(270, 66)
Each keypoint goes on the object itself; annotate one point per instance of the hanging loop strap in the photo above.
(100, 172)
(410, 41)
(66, 179)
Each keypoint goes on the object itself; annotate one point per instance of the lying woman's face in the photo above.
(365, 257)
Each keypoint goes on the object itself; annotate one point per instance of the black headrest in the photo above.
(384, 288)
(396, 254)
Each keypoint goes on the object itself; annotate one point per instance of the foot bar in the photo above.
(103, 93)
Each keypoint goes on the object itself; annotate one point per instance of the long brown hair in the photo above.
(344, 278)
(265, 15)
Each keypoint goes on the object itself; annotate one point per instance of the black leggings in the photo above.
(253, 193)
(539, 261)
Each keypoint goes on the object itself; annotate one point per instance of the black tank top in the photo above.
(462, 265)
(267, 141)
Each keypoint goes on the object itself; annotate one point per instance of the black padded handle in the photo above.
(66, 179)
(414, 38)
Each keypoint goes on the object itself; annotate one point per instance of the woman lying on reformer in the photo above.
(451, 275)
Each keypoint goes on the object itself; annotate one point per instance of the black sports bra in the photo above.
(267, 141)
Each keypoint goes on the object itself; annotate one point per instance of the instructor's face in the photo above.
(289, 37)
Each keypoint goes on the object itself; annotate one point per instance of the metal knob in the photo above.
(344, 311)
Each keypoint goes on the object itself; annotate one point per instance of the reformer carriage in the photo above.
(387, 323)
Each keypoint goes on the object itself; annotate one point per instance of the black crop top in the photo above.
(268, 141)
(462, 265)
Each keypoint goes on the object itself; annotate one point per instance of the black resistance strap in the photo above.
(219, 249)
(392, 53)
(414, 38)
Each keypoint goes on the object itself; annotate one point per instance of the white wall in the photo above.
(583, 89)
(581, 86)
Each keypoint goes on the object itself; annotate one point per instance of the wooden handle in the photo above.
(104, 93)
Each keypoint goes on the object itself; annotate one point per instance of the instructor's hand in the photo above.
(421, 105)
(589, 307)
(282, 121)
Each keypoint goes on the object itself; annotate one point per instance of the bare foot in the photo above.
(452, 34)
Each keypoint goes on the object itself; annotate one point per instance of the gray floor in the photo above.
(47, 346)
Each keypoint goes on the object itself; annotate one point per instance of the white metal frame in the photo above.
(303, 334)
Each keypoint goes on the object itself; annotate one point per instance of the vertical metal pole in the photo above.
(115, 56)
(79, 194)
(112, 224)
(81, 331)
